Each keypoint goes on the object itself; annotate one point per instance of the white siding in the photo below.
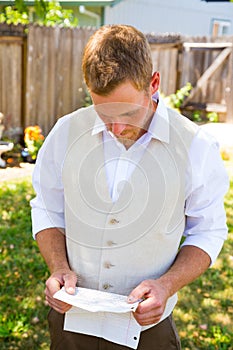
(187, 17)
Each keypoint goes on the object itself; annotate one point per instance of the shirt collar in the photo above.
(99, 126)
(159, 126)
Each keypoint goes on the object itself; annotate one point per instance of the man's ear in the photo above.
(155, 81)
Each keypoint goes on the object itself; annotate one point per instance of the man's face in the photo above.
(126, 111)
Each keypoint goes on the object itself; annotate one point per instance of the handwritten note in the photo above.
(96, 300)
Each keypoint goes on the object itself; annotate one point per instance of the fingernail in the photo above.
(70, 290)
(131, 299)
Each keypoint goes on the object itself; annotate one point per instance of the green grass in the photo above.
(23, 273)
(204, 314)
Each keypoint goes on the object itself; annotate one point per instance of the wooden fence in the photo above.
(207, 63)
(40, 75)
(54, 84)
(12, 68)
(41, 79)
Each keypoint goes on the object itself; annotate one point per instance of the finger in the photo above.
(148, 321)
(52, 286)
(150, 305)
(149, 311)
(70, 281)
(58, 305)
(150, 316)
(61, 308)
(138, 293)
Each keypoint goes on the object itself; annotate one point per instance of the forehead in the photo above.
(118, 109)
(124, 99)
(124, 93)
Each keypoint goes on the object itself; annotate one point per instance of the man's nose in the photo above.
(117, 128)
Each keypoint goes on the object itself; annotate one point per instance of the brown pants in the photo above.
(163, 336)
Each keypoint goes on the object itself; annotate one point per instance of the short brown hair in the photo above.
(114, 54)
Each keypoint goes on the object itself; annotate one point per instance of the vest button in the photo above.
(111, 243)
(108, 265)
(114, 221)
(106, 286)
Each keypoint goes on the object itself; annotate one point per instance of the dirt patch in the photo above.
(16, 172)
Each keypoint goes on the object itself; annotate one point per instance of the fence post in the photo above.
(229, 88)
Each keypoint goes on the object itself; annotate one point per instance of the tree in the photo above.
(48, 13)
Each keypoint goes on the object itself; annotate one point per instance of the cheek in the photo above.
(140, 120)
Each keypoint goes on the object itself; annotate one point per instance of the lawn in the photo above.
(204, 314)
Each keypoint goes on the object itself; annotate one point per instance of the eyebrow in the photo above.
(129, 113)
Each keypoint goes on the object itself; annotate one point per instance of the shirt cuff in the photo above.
(44, 219)
(211, 245)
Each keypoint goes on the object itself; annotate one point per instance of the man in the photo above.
(118, 184)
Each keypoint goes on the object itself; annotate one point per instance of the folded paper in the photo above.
(101, 314)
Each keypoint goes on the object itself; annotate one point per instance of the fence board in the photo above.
(41, 71)
(54, 79)
(52, 71)
(215, 88)
(229, 86)
(201, 83)
(11, 81)
(165, 59)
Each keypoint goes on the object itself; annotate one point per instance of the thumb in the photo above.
(53, 285)
(138, 294)
(70, 280)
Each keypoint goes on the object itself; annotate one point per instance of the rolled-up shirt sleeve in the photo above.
(208, 183)
(48, 205)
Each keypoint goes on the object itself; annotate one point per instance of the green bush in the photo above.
(176, 100)
(48, 13)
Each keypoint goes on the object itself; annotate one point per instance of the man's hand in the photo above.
(52, 245)
(189, 264)
(151, 309)
(58, 279)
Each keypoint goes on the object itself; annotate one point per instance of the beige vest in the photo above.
(115, 246)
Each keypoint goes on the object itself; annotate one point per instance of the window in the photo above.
(220, 27)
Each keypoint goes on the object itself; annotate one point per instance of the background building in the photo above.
(187, 17)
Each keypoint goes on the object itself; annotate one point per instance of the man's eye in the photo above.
(132, 113)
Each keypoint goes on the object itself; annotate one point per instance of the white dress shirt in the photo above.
(205, 216)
